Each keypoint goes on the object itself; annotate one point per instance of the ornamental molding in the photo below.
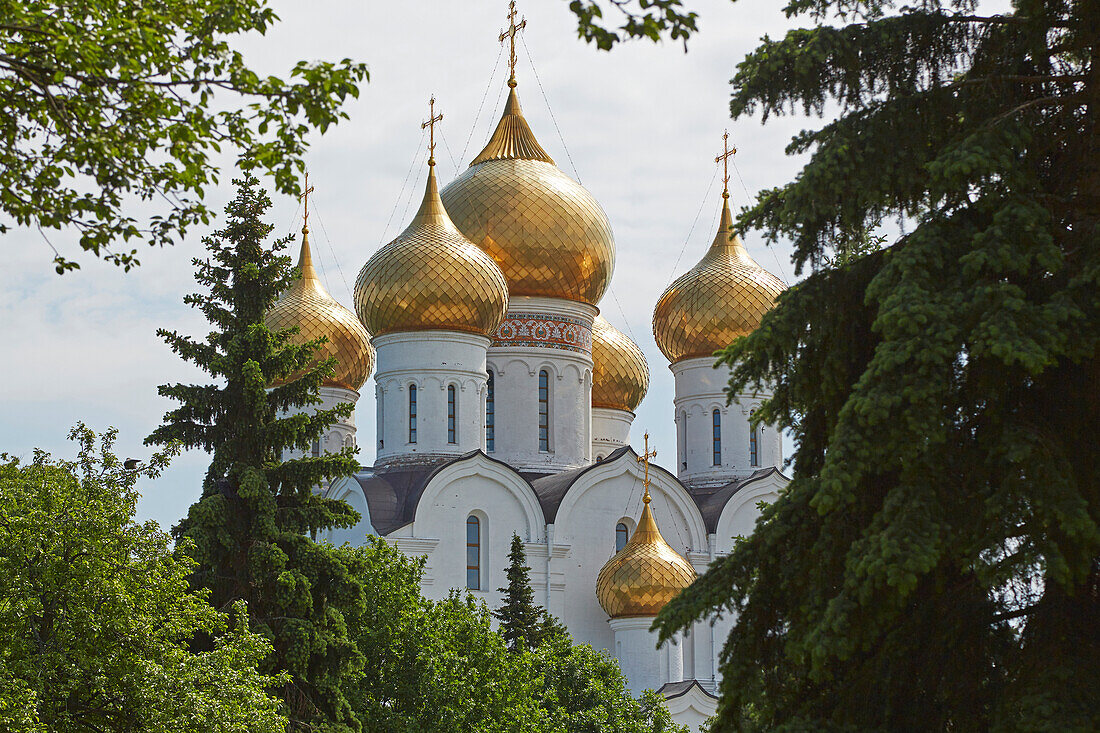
(544, 331)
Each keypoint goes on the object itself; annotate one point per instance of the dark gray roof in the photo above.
(676, 689)
(712, 501)
(393, 492)
(551, 489)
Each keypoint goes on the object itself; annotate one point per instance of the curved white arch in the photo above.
(481, 466)
(739, 514)
(660, 482)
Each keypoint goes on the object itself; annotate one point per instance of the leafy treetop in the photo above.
(106, 103)
(97, 618)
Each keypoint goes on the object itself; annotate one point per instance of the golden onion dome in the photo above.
(431, 278)
(307, 305)
(643, 576)
(547, 233)
(723, 297)
(620, 374)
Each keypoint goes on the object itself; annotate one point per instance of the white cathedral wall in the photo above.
(543, 334)
(699, 391)
(610, 431)
(433, 361)
(503, 503)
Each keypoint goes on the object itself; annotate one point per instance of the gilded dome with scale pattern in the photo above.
(307, 305)
(643, 576)
(546, 232)
(723, 297)
(431, 278)
(620, 374)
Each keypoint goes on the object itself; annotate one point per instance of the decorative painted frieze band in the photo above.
(546, 331)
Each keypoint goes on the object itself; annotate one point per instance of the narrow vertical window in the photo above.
(716, 436)
(473, 553)
(490, 415)
(412, 413)
(451, 430)
(754, 452)
(316, 451)
(683, 440)
(622, 534)
(544, 411)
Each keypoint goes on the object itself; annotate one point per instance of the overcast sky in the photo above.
(641, 125)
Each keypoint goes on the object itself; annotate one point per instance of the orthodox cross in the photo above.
(510, 34)
(304, 197)
(724, 159)
(434, 118)
(644, 458)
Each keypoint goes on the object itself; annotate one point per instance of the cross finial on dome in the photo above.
(644, 458)
(724, 159)
(432, 119)
(304, 197)
(510, 34)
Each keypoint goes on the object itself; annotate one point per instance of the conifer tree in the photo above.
(523, 624)
(933, 565)
(250, 530)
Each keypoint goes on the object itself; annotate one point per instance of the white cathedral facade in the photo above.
(505, 402)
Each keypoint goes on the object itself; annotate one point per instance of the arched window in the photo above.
(754, 451)
(473, 553)
(316, 448)
(452, 431)
(622, 534)
(716, 437)
(490, 414)
(412, 413)
(544, 411)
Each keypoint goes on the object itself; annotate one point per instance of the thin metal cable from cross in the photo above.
(335, 259)
(550, 109)
(694, 222)
(510, 34)
(484, 96)
(430, 125)
(401, 193)
(748, 197)
(447, 147)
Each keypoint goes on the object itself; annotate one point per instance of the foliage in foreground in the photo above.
(439, 666)
(934, 563)
(107, 103)
(250, 532)
(96, 615)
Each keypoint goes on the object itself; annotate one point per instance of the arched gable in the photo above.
(662, 483)
(738, 516)
(348, 489)
(491, 478)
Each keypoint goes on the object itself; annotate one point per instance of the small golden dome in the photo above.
(620, 374)
(723, 297)
(643, 576)
(307, 305)
(546, 232)
(431, 278)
